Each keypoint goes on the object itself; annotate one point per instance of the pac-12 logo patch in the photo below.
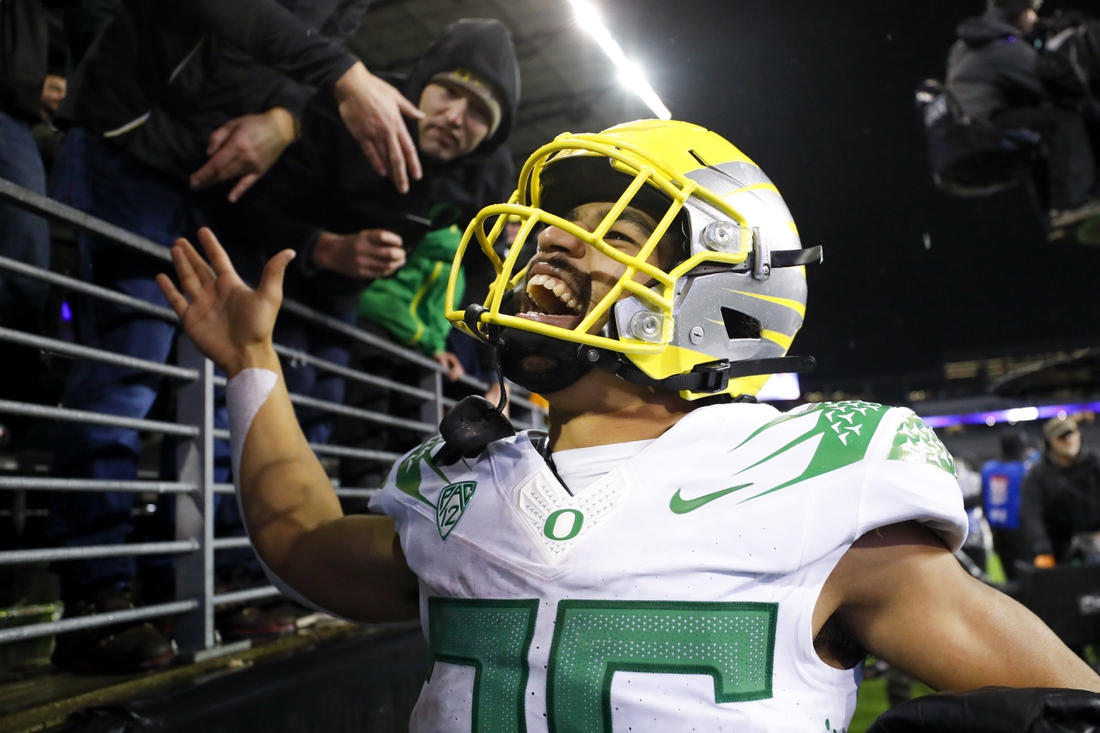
(453, 500)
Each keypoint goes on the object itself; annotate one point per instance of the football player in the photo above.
(672, 555)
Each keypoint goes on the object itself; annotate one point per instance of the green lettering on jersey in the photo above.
(915, 442)
(563, 525)
(733, 643)
(453, 500)
(493, 637)
(408, 472)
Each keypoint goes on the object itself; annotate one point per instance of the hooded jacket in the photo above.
(483, 46)
(324, 182)
(164, 74)
(1057, 502)
(991, 68)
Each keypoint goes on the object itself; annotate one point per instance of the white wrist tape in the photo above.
(245, 394)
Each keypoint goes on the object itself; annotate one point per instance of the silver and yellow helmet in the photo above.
(719, 321)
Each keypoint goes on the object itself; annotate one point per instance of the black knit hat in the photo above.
(1012, 8)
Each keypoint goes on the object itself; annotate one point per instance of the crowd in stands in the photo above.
(254, 119)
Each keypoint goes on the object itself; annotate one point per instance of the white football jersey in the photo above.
(674, 594)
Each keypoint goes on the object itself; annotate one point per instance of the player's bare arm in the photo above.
(901, 595)
(352, 566)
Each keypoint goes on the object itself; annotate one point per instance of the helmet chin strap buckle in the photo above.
(713, 376)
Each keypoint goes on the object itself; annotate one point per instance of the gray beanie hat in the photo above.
(1011, 9)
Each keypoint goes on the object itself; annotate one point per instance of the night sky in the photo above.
(820, 95)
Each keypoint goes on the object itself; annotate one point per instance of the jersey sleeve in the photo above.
(910, 476)
(411, 477)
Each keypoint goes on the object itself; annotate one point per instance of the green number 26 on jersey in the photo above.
(733, 643)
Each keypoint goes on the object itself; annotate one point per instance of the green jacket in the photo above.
(411, 303)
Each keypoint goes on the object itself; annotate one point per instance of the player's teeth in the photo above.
(559, 289)
(572, 303)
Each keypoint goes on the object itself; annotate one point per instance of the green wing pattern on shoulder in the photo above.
(813, 442)
(409, 470)
(845, 430)
(915, 442)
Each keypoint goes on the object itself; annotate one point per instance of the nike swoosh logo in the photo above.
(679, 505)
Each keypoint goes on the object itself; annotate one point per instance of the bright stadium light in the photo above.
(630, 74)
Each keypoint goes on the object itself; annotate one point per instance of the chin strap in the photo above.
(472, 424)
(711, 377)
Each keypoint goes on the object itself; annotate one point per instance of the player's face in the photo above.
(455, 122)
(566, 279)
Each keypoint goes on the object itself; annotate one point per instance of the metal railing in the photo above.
(194, 490)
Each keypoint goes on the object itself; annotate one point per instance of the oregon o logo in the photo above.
(564, 524)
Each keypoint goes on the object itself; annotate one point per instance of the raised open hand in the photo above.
(230, 322)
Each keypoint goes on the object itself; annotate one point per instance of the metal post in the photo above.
(432, 412)
(195, 511)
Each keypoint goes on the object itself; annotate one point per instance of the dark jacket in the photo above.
(991, 68)
(24, 54)
(164, 74)
(324, 182)
(1058, 502)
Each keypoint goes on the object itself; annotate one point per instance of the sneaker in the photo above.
(251, 622)
(117, 649)
(1075, 215)
(132, 649)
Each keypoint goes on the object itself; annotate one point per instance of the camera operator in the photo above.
(993, 73)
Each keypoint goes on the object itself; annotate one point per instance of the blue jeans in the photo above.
(106, 182)
(301, 377)
(23, 236)
(306, 379)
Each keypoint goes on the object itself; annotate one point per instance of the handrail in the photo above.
(91, 621)
(58, 554)
(195, 544)
(64, 281)
(94, 418)
(84, 352)
(34, 483)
